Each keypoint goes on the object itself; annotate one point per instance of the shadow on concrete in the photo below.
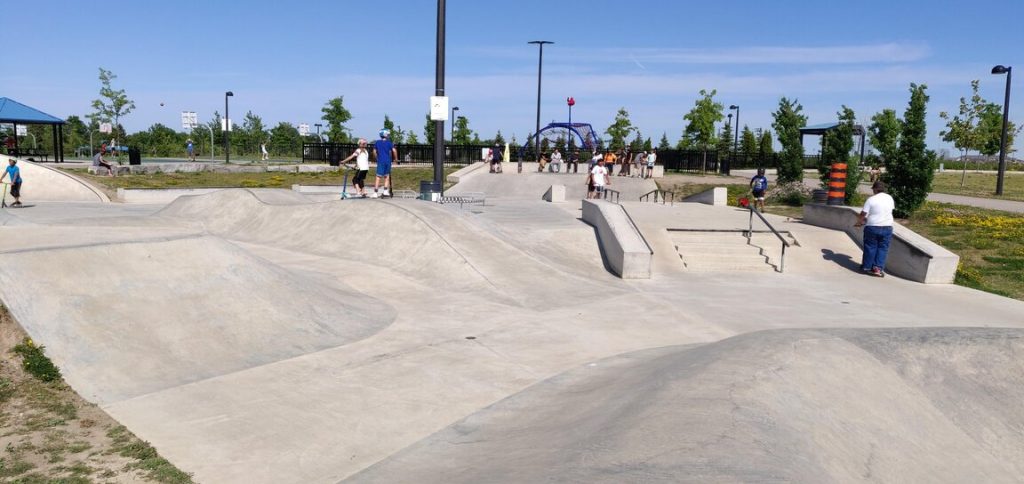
(843, 260)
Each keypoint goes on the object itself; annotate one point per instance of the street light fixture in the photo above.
(452, 137)
(540, 67)
(736, 138)
(227, 128)
(318, 125)
(1006, 114)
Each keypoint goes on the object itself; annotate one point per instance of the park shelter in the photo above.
(821, 129)
(13, 112)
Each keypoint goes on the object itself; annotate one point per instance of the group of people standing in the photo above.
(385, 153)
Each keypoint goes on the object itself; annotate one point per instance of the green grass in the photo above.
(990, 244)
(979, 185)
(401, 178)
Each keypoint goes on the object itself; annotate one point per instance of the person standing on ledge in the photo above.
(15, 174)
(876, 218)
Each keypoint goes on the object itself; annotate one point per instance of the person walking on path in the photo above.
(263, 152)
(190, 148)
(556, 161)
(639, 160)
(876, 218)
(759, 185)
(362, 156)
(599, 179)
(384, 152)
(98, 161)
(651, 158)
(15, 175)
(496, 158)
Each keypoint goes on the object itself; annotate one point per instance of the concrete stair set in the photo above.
(711, 251)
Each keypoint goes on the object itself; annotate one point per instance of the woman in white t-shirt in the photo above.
(362, 156)
(877, 220)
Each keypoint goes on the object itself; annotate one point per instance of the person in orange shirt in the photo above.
(609, 161)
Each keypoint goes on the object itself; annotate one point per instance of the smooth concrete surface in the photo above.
(718, 196)
(160, 195)
(555, 194)
(262, 336)
(911, 256)
(878, 405)
(43, 183)
(621, 242)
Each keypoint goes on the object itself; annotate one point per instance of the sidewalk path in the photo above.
(990, 203)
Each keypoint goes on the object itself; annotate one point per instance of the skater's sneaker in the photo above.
(374, 195)
(877, 272)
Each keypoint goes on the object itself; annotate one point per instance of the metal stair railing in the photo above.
(750, 233)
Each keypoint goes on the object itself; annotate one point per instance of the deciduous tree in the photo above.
(701, 120)
(335, 115)
(112, 105)
(619, 130)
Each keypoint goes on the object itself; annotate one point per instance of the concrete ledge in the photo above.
(627, 252)
(160, 195)
(462, 173)
(911, 256)
(717, 197)
(117, 169)
(332, 189)
(555, 194)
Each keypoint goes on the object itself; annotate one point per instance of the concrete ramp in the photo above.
(45, 184)
(533, 185)
(426, 242)
(125, 318)
(887, 405)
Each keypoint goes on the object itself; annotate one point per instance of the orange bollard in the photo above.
(837, 184)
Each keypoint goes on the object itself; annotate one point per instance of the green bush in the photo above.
(35, 362)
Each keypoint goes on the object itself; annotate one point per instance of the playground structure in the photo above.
(566, 133)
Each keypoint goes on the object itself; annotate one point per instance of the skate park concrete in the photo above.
(263, 336)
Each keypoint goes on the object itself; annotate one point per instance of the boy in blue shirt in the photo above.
(759, 185)
(15, 173)
(384, 151)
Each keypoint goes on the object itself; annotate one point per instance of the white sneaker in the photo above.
(374, 195)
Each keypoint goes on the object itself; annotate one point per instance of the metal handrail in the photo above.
(608, 191)
(750, 233)
(656, 192)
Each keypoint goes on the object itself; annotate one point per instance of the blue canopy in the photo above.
(12, 111)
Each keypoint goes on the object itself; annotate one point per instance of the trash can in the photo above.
(333, 157)
(430, 191)
(134, 156)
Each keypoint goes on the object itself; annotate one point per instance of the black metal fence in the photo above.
(456, 155)
(699, 161)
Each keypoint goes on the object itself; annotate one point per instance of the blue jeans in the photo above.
(876, 247)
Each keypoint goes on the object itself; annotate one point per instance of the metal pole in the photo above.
(1002, 141)
(227, 130)
(540, 69)
(439, 91)
(211, 143)
(452, 137)
(736, 139)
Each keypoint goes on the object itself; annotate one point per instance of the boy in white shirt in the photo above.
(598, 179)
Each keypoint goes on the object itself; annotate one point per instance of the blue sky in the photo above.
(283, 61)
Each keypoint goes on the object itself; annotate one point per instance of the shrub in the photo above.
(794, 194)
(35, 362)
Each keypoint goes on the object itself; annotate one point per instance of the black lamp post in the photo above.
(456, 108)
(736, 138)
(540, 67)
(318, 125)
(438, 182)
(1006, 116)
(227, 128)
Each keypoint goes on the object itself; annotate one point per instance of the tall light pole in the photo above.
(1006, 116)
(571, 102)
(318, 126)
(540, 68)
(452, 137)
(438, 182)
(736, 138)
(227, 128)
